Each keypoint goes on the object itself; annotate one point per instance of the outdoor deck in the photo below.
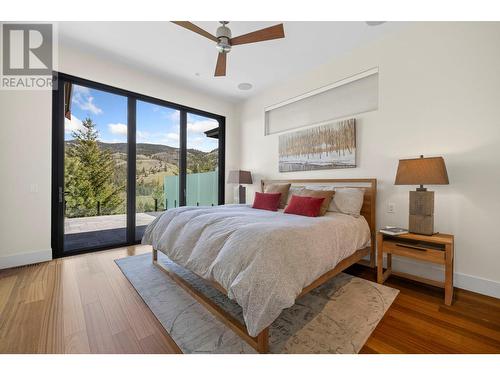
(98, 231)
(104, 222)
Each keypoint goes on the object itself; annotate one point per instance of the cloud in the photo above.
(72, 125)
(114, 140)
(142, 136)
(119, 128)
(202, 144)
(81, 90)
(169, 114)
(174, 136)
(195, 140)
(83, 99)
(201, 126)
(169, 139)
(174, 116)
(87, 104)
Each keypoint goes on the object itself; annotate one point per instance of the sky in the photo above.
(155, 124)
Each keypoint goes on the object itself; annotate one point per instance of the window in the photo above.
(351, 96)
(157, 162)
(202, 161)
(120, 159)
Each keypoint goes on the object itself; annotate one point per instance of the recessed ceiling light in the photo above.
(245, 86)
(197, 74)
(374, 23)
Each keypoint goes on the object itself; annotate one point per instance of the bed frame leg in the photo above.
(155, 255)
(373, 256)
(263, 341)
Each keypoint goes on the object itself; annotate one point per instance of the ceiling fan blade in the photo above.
(269, 33)
(198, 30)
(220, 68)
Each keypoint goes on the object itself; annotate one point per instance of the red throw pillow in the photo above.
(305, 206)
(266, 201)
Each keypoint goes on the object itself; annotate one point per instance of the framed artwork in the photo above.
(328, 146)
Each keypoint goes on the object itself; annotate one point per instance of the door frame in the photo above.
(57, 194)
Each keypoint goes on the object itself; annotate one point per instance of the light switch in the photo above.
(33, 188)
(391, 208)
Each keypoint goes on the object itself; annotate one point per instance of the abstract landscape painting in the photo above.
(328, 146)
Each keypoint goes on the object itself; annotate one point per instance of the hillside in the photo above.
(156, 158)
(153, 163)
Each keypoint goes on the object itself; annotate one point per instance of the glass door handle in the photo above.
(60, 194)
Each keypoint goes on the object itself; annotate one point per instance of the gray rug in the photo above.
(337, 317)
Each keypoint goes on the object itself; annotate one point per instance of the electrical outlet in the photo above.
(391, 208)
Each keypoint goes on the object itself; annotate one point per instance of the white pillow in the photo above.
(292, 190)
(347, 201)
(320, 187)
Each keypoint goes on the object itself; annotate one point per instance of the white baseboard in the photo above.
(435, 272)
(23, 259)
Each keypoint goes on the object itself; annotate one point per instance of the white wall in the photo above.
(439, 95)
(25, 160)
(25, 136)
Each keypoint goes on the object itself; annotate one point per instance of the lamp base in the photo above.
(421, 224)
(242, 194)
(421, 219)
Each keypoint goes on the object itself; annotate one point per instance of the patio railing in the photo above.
(201, 189)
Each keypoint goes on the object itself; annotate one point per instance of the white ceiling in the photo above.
(178, 54)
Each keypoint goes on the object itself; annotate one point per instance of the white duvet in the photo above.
(263, 259)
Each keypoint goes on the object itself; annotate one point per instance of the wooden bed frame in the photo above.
(260, 342)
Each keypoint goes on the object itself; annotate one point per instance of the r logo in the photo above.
(27, 49)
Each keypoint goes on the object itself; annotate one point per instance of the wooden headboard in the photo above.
(368, 210)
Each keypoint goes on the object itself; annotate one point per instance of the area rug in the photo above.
(337, 317)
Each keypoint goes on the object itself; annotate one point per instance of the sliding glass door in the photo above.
(120, 159)
(157, 162)
(95, 168)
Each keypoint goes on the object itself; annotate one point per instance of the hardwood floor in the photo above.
(419, 322)
(78, 304)
(84, 304)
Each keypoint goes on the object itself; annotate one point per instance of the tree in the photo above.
(159, 195)
(89, 173)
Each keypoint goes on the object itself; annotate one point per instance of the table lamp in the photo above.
(422, 171)
(240, 177)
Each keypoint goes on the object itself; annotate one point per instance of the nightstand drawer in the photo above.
(416, 251)
(437, 248)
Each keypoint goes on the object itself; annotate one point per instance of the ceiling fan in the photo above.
(225, 41)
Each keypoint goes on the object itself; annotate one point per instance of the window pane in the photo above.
(157, 162)
(202, 161)
(342, 101)
(95, 168)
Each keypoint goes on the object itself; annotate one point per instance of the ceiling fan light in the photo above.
(224, 46)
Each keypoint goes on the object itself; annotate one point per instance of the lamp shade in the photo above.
(422, 171)
(239, 177)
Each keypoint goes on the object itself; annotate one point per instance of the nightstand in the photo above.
(437, 248)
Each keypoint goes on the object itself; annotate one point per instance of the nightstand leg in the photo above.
(448, 281)
(388, 270)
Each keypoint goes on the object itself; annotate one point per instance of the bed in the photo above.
(263, 260)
